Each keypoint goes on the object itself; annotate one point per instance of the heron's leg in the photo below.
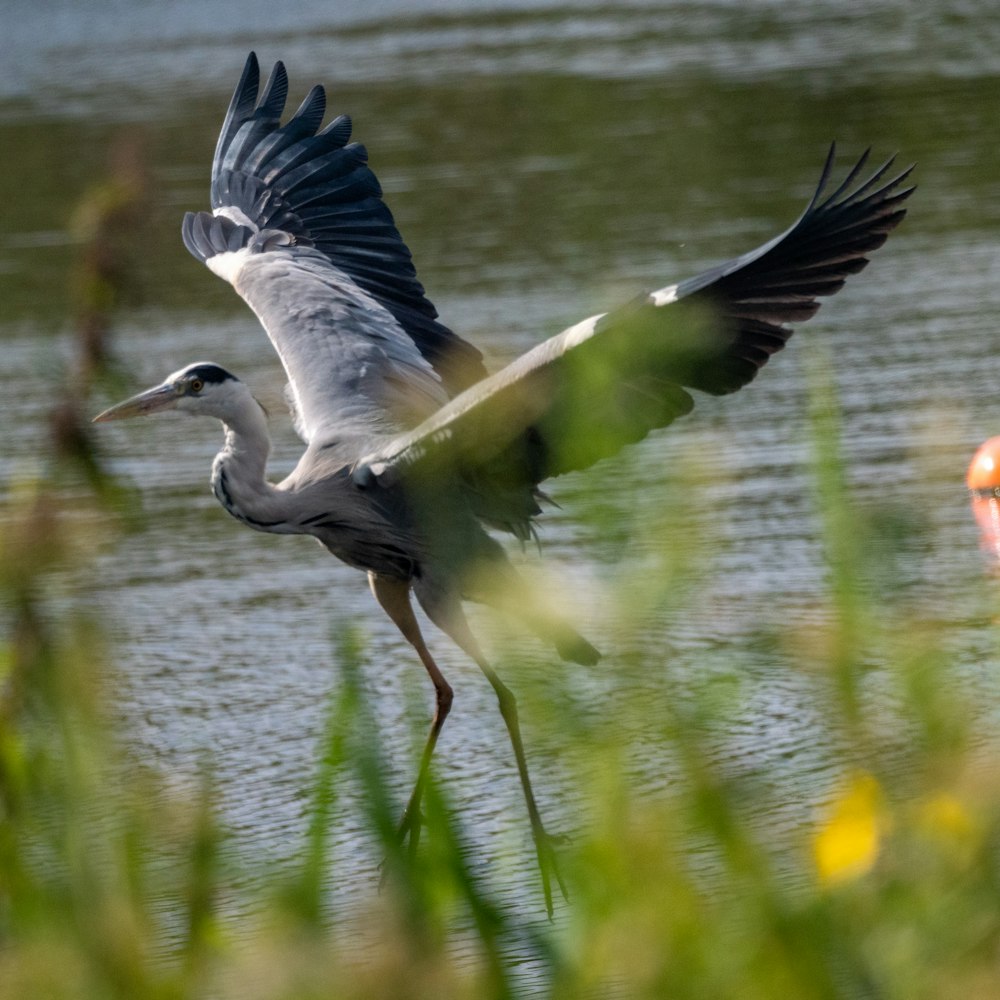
(543, 842)
(394, 596)
(457, 627)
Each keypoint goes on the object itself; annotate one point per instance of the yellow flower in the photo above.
(847, 843)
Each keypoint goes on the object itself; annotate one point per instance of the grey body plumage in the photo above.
(413, 451)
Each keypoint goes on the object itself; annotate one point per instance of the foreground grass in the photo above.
(114, 883)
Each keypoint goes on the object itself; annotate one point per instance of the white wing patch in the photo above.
(229, 264)
(238, 216)
(664, 296)
(579, 332)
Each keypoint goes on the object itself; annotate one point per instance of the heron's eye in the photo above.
(197, 385)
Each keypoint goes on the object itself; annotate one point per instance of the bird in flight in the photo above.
(413, 450)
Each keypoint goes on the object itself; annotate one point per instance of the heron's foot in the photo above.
(409, 827)
(548, 864)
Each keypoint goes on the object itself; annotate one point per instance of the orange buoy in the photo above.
(984, 469)
(983, 480)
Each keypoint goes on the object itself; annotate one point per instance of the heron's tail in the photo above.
(506, 590)
(570, 645)
(496, 583)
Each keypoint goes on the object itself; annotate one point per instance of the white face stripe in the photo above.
(229, 264)
(664, 296)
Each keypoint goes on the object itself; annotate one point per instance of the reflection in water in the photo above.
(580, 158)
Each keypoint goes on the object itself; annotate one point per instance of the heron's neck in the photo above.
(239, 471)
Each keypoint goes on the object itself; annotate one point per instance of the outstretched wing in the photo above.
(606, 382)
(300, 229)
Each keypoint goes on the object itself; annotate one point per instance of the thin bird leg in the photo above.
(543, 842)
(459, 630)
(394, 596)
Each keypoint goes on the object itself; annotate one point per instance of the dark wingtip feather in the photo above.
(309, 115)
(844, 185)
(245, 94)
(824, 177)
(272, 101)
(241, 106)
(863, 190)
(339, 130)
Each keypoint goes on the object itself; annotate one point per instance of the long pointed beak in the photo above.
(160, 397)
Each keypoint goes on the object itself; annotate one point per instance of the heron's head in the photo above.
(201, 389)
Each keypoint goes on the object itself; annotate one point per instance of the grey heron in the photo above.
(412, 450)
